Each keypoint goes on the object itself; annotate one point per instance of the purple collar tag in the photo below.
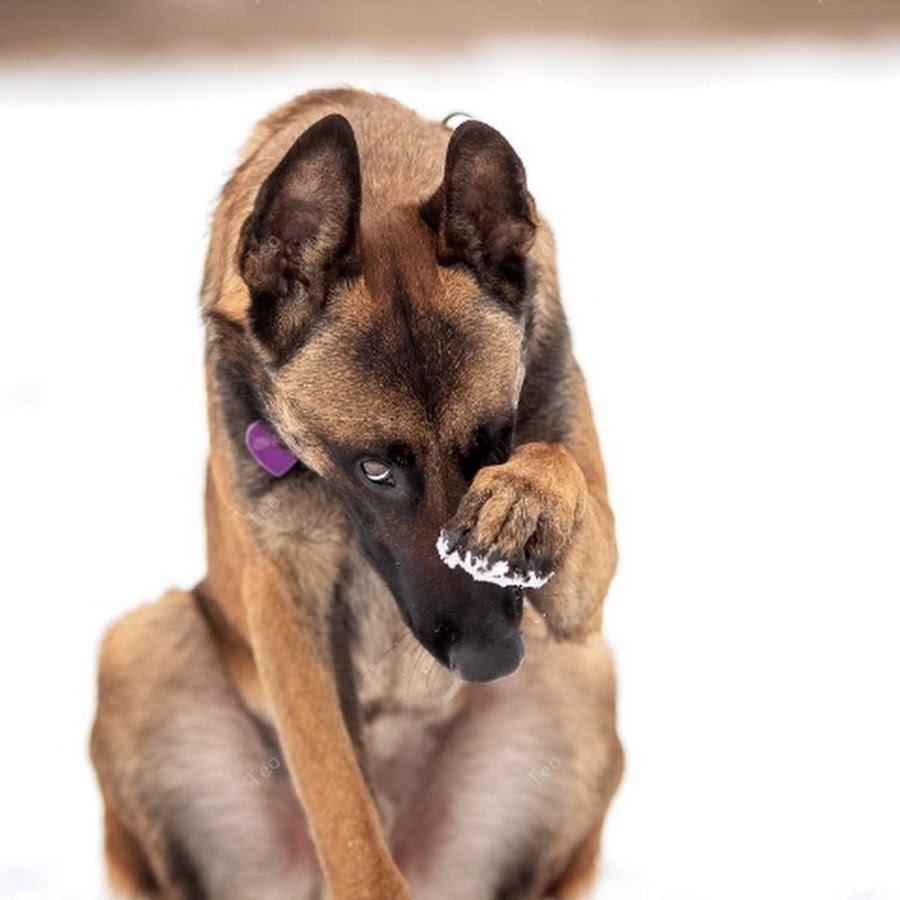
(267, 450)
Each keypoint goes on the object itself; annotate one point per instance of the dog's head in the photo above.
(393, 336)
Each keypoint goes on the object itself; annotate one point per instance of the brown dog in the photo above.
(323, 715)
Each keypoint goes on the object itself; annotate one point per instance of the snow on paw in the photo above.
(491, 568)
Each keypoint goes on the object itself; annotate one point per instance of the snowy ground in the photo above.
(728, 230)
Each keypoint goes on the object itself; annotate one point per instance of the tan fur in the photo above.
(180, 679)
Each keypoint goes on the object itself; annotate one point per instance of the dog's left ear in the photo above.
(482, 212)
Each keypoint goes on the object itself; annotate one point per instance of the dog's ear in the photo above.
(302, 234)
(482, 212)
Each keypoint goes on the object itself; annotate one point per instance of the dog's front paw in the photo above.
(514, 523)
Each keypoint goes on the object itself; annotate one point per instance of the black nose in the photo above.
(476, 661)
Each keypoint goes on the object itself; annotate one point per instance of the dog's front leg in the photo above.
(542, 520)
(299, 678)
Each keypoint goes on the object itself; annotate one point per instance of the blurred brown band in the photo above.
(149, 26)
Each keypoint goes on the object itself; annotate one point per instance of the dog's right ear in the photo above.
(302, 234)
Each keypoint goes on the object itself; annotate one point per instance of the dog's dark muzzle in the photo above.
(472, 627)
(473, 660)
(476, 630)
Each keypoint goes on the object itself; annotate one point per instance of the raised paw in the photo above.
(516, 520)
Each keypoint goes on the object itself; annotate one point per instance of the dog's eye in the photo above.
(377, 471)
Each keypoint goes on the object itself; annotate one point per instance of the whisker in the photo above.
(418, 655)
(430, 679)
(392, 649)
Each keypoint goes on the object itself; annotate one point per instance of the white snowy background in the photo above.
(728, 221)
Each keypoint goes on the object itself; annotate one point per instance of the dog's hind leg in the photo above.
(198, 802)
(128, 870)
(578, 877)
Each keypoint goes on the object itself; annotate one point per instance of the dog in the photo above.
(392, 681)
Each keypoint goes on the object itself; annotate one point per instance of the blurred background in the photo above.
(133, 26)
(722, 176)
